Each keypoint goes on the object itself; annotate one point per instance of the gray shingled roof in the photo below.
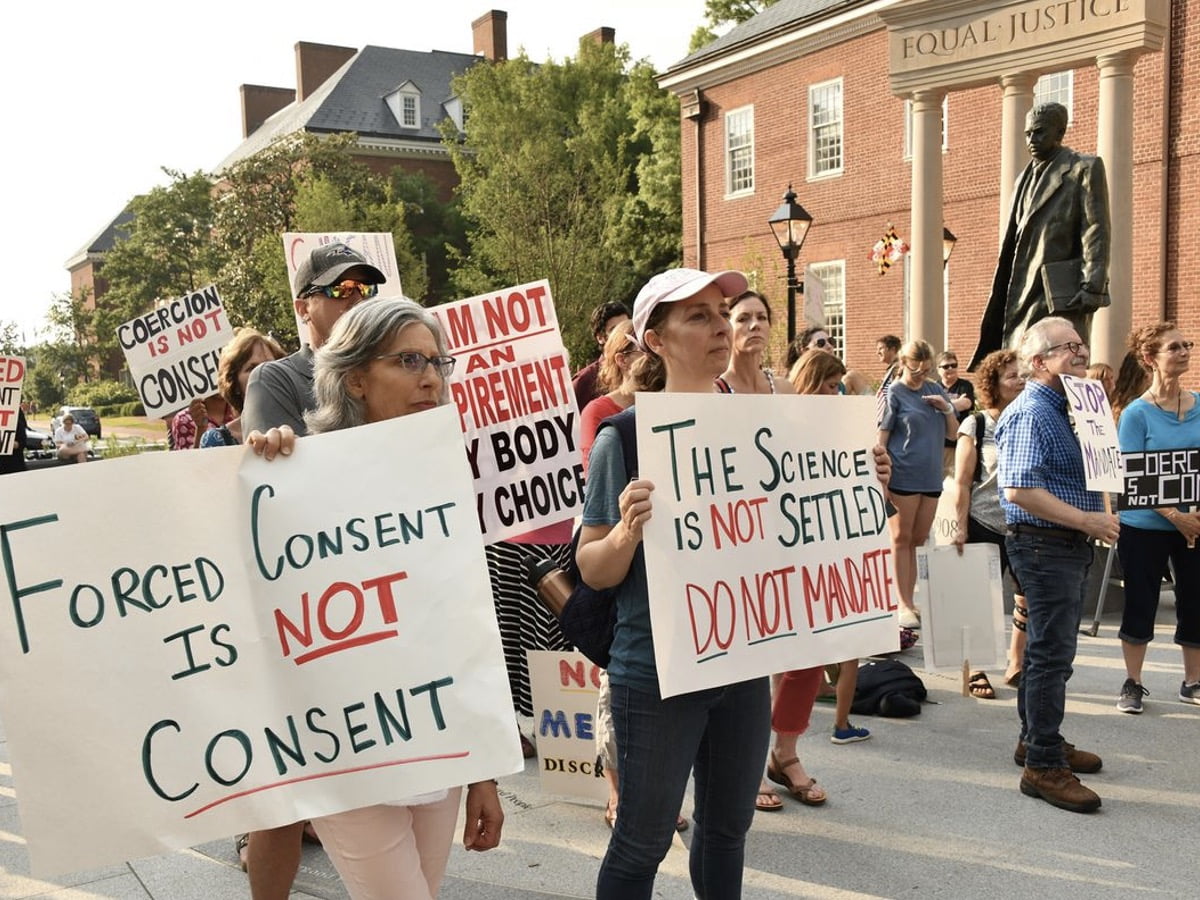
(104, 240)
(784, 15)
(352, 99)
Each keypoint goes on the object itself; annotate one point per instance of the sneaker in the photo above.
(1190, 693)
(1130, 700)
(1059, 787)
(849, 734)
(1078, 760)
(909, 618)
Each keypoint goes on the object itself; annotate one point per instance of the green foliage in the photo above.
(719, 13)
(43, 387)
(435, 227)
(101, 393)
(10, 339)
(570, 173)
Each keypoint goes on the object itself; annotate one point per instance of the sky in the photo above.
(103, 96)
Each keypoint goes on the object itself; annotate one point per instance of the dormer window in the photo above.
(405, 104)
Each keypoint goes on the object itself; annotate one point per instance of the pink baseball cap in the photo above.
(679, 284)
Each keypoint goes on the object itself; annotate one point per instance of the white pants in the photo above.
(391, 852)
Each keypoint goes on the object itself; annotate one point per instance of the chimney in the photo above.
(315, 63)
(259, 103)
(602, 35)
(491, 35)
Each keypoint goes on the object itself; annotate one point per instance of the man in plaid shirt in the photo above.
(1050, 516)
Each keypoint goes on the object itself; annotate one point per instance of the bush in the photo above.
(133, 408)
(98, 394)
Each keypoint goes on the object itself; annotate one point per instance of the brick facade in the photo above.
(852, 210)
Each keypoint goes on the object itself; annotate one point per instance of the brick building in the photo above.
(820, 94)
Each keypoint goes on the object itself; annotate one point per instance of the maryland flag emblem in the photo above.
(888, 249)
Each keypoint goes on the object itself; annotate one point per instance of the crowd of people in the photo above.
(1003, 439)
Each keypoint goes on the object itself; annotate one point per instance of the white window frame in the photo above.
(908, 126)
(405, 99)
(1057, 87)
(832, 275)
(739, 126)
(835, 121)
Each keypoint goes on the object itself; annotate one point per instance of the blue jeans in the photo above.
(721, 735)
(1053, 571)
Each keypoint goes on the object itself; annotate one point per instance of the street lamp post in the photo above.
(790, 224)
(948, 242)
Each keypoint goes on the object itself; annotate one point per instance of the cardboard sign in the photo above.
(945, 517)
(12, 376)
(566, 686)
(1161, 478)
(768, 547)
(962, 604)
(173, 351)
(378, 248)
(512, 388)
(308, 644)
(1088, 406)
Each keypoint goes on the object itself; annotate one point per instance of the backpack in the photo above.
(589, 616)
(888, 687)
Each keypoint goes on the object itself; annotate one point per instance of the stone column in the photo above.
(1016, 103)
(926, 300)
(1114, 144)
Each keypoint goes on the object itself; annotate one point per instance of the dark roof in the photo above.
(104, 241)
(782, 16)
(352, 99)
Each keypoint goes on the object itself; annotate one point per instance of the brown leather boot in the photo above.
(1059, 787)
(1079, 760)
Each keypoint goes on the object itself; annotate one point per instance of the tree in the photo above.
(725, 12)
(569, 172)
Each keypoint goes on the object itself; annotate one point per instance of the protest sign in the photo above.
(378, 248)
(172, 352)
(565, 687)
(12, 375)
(962, 601)
(512, 388)
(945, 517)
(1161, 478)
(768, 546)
(1088, 407)
(309, 644)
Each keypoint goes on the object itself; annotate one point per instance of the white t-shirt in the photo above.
(62, 436)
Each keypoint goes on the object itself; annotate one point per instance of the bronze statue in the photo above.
(1054, 257)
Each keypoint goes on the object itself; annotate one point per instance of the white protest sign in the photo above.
(512, 388)
(768, 547)
(309, 644)
(12, 375)
(173, 351)
(945, 516)
(962, 602)
(565, 687)
(1088, 406)
(377, 247)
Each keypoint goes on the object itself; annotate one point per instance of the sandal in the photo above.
(610, 816)
(767, 800)
(808, 793)
(1014, 680)
(240, 843)
(980, 687)
(681, 823)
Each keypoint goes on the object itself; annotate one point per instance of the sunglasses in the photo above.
(1178, 348)
(415, 363)
(948, 366)
(824, 342)
(343, 289)
(1073, 347)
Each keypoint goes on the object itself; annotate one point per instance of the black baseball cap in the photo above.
(327, 263)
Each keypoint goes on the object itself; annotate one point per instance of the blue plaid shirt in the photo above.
(1037, 448)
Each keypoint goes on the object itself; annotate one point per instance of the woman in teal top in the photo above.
(1163, 417)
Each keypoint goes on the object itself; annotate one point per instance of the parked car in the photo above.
(38, 443)
(85, 417)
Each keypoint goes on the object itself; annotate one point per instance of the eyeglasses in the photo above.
(1180, 347)
(825, 342)
(948, 366)
(415, 363)
(918, 369)
(1073, 347)
(342, 290)
(629, 351)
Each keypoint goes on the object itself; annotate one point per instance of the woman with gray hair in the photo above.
(386, 359)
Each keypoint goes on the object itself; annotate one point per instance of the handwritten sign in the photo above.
(173, 351)
(378, 248)
(12, 375)
(565, 688)
(1088, 406)
(512, 388)
(768, 547)
(308, 645)
(1161, 478)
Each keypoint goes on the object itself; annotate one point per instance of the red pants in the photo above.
(794, 699)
